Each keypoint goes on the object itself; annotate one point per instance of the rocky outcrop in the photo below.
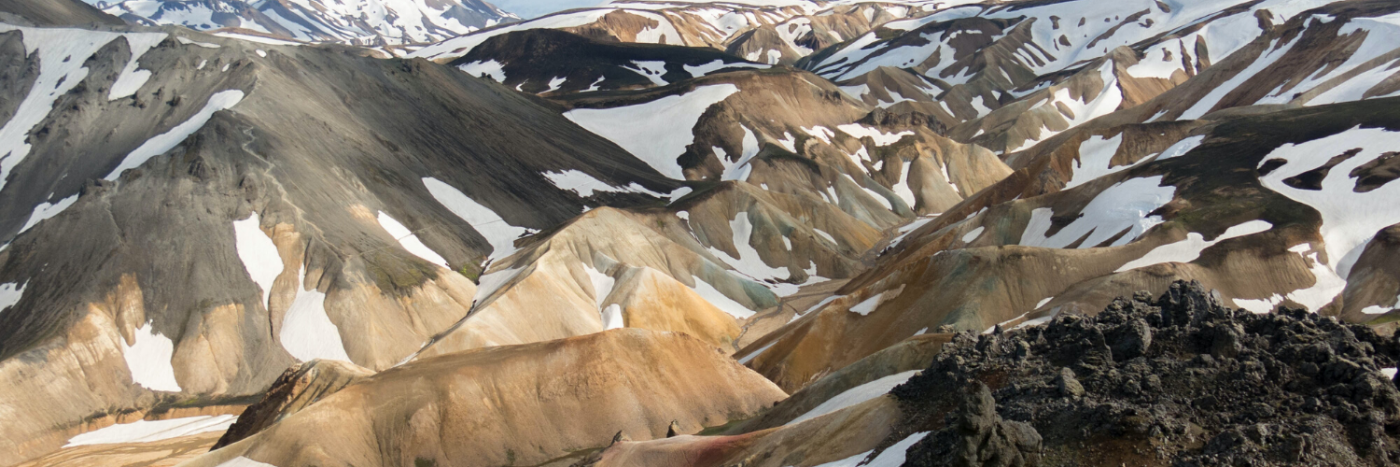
(1215, 385)
(977, 436)
(298, 387)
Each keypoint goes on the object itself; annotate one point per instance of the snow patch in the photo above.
(10, 294)
(705, 69)
(892, 456)
(656, 132)
(584, 184)
(259, 255)
(881, 138)
(162, 143)
(307, 331)
(1188, 250)
(721, 301)
(131, 79)
(45, 211)
(491, 68)
(492, 227)
(409, 241)
(977, 232)
(1123, 206)
(1096, 159)
(148, 359)
(146, 431)
(856, 395)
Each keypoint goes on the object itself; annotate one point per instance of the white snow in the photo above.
(160, 144)
(261, 53)
(187, 41)
(130, 80)
(490, 282)
(707, 68)
(1370, 310)
(977, 232)
(258, 253)
(881, 138)
(307, 331)
(612, 317)
(865, 307)
(10, 293)
(1260, 306)
(1388, 372)
(1268, 57)
(1349, 219)
(856, 395)
(739, 170)
(146, 431)
(491, 68)
(656, 132)
(486, 222)
(892, 456)
(651, 70)
(602, 284)
(1123, 206)
(241, 461)
(1181, 147)
(821, 304)
(1327, 286)
(1188, 250)
(46, 210)
(821, 233)
(1096, 159)
(719, 300)
(409, 241)
(1156, 65)
(148, 359)
(556, 83)
(1042, 302)
(748, 263)
(584, 184)
(748, 358)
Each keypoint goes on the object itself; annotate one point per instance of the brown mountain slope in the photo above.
(515, 404)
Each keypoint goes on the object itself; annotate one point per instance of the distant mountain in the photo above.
(373, 23)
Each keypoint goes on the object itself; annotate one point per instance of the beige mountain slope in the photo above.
(878, 175)
(845, 417)
(165, 453)
(699, 267)
(523, 405)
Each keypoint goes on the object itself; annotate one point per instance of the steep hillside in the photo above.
(207, 213)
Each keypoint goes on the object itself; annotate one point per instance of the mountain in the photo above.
(769, 32)
(782, 232)
(388, 24)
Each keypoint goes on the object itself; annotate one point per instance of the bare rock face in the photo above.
(978, 437)
(1217, 386)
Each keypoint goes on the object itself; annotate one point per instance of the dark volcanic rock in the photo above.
(1176, 381)
(977, 436)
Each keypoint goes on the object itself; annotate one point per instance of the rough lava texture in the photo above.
(1181, 380)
